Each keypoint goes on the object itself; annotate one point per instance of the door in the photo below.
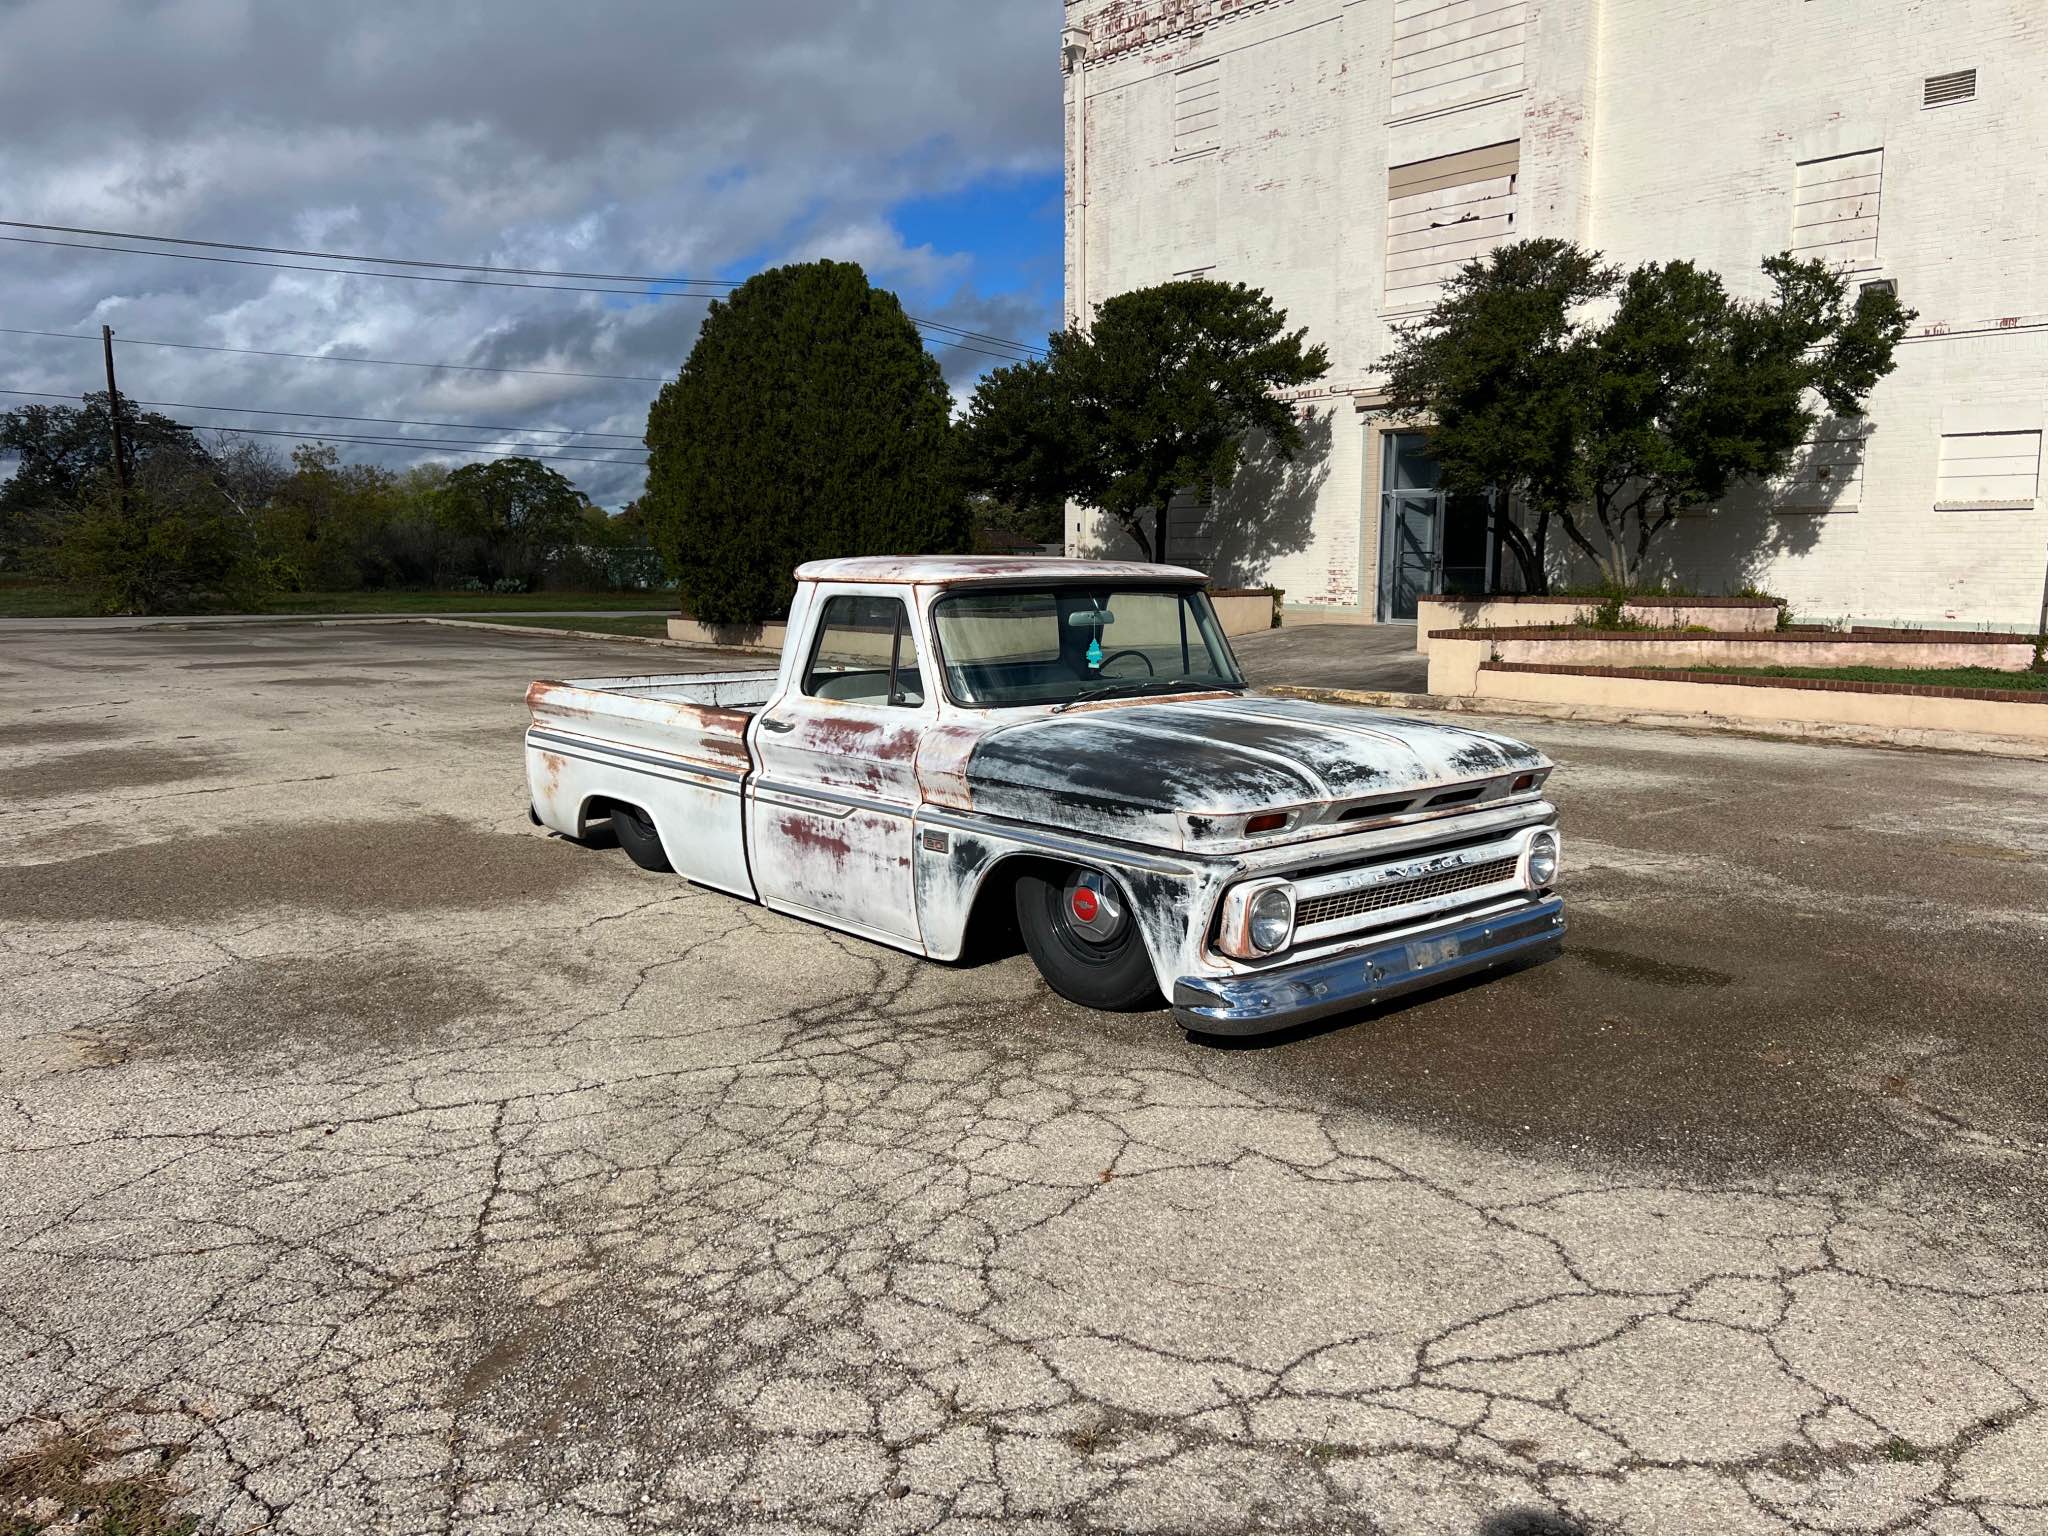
(1429, 541)
(829, 825)
(1410, 522)
(1412, 565)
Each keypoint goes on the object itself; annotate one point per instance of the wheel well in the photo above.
(598, 808)
(992, 921)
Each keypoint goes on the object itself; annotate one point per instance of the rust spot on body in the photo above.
(807, 832)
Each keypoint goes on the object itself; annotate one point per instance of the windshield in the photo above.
(1063, 644)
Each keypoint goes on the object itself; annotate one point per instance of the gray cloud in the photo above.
(623, 137)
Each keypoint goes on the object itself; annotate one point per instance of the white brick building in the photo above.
(1345, 154)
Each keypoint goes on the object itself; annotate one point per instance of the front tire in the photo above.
(1080, 930)
(639, 837)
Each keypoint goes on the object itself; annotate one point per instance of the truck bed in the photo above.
(698, 718)
(746, 691)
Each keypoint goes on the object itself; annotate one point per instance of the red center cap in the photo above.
(1084, 904)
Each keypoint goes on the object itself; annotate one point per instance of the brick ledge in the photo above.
(1816, 685)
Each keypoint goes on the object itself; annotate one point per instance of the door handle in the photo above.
(769, 723)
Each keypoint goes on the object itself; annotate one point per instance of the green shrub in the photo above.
(159, 552)
(808, 421)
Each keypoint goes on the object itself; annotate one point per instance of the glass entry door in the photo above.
(1410, 571)
(1430, 541)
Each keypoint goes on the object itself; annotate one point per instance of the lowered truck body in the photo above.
(1070, 742)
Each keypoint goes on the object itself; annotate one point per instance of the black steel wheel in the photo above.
(1078, 925)
(639, 837)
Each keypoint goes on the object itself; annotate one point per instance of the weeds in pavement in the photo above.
(77, 1479)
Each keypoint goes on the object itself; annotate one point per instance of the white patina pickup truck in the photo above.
(950, 742)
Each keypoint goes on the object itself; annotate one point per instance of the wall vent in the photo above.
(1945, 90)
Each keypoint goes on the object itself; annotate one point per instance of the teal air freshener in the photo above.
(1095, 653)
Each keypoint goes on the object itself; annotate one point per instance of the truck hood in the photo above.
(1138, 771)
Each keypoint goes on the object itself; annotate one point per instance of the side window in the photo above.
(864, 653)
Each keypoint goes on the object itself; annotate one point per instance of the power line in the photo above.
(331, 357)
(692, 287)
(347, 272)
(426, 445)
(447, 266)
(335, 416)
(345, 256)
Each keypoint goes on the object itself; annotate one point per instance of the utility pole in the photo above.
(114, 416)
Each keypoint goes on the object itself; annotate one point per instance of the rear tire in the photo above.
(639, 837)
(1102, 970)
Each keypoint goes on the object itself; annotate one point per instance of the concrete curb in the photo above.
(538, 629)
(127, 623)
(1905, 738)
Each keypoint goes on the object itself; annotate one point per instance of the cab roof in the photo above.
(945, 570)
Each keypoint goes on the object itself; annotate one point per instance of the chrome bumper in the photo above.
(1254, 1002)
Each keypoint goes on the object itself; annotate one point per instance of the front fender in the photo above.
(955, 857)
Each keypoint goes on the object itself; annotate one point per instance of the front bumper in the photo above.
(1254, 1002)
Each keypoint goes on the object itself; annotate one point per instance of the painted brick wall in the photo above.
(1652, 129)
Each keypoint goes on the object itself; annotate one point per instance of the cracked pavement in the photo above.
(373, 1160)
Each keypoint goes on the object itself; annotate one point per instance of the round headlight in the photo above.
(1272, 919)
(1542, 860)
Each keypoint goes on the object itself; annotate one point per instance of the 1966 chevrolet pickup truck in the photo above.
(948, 740)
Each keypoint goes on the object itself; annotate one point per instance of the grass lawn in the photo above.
(654, 625)
(29, 598)
(1930, 677)
(25, 598)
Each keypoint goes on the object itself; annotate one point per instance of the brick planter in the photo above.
(1440, 611)
(1909, 714)
(1456, 656)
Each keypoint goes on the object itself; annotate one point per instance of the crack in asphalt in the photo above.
(861, 1259)
(661, 1210)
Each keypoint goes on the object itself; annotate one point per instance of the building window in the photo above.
(1443, 212)
(1198, 109)
(1989, 470)
(1449, 53)
(1834, 210)
(1826, 473)
(1946, 90)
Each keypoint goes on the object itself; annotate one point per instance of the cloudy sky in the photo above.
(918, 137)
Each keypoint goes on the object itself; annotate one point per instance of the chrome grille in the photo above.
(1373, 899)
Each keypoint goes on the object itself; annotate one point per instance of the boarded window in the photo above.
(1443, 212)
(1989, 469)
(1826, 473)
(1834, 213)
(1449, 52)
(1198, 109)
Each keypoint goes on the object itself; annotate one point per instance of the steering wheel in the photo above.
(1103, 665)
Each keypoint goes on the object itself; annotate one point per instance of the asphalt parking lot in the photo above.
(374, 1160)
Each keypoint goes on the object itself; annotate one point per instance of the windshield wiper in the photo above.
(1141, 686)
